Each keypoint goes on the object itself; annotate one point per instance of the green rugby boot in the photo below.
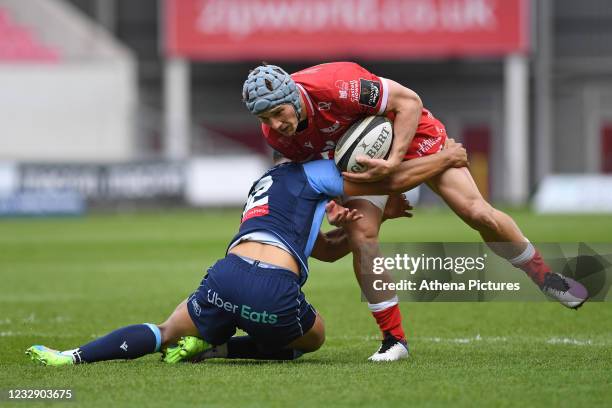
(187, 349)
(48, 357)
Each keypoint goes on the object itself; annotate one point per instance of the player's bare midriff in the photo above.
(268, 254)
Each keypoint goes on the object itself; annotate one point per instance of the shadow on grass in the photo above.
(246, 363)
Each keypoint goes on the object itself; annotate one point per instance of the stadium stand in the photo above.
(79, 82)
(19, 44)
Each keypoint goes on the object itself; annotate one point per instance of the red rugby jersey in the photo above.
(336, 95)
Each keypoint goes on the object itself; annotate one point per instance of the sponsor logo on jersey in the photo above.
(256, 212)
(124, 346)
(343, 88)
(329, 145)
(196, 307)
(245, 311)
(332, 128)
(257, 203)
(354, 90)
(308, 145)
(369, 93)
(324, 106)
(427, 144)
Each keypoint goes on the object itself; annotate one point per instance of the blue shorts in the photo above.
(267, 303)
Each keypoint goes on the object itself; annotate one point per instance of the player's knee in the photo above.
(316, 336)
(480, 215)
(317, 341)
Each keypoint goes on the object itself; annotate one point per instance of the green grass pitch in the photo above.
(65, 281)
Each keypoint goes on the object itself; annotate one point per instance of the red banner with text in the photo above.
(333, 29)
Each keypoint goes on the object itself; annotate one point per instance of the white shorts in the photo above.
(378, 200)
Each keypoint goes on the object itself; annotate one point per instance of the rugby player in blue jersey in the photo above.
(256, 287)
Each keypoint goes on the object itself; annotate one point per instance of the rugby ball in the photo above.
(370, 137)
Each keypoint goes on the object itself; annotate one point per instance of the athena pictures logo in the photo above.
(473, 272)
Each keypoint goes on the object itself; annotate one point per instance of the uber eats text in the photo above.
(245, 311)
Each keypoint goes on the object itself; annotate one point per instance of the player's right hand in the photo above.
(377, 169)
(339, 216)
(456, 153)
(397, 206)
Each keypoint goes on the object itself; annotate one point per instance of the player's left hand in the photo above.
(397, 206)
(339, 216)
(378, 169)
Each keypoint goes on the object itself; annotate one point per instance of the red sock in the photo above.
(536, 268)
(390, 321)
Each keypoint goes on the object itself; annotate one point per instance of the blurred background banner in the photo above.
(134, 90)
(331, 29)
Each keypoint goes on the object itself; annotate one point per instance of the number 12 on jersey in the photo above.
(257, 203)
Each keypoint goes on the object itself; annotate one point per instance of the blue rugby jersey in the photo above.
(289, 202)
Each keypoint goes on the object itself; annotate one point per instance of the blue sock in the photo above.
(246, 347)
(126, 343)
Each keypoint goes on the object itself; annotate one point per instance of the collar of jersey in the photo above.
(309, 105)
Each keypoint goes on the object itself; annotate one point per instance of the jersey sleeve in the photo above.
(361, 92)
(324, 177)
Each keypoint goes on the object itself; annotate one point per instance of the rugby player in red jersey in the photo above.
(304, 114)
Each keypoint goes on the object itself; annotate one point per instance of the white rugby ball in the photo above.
(371, 136)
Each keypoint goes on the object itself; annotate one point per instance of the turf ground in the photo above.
(65, 281)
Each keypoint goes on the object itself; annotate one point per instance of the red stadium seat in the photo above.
(21, 44)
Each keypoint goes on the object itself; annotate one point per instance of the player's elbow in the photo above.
(323, 257)
(414, 102)
(410, 101)
(336, 256)
(328, 256)
(322, 250)
(403, 100)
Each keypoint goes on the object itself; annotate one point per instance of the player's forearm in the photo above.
(331, 246)
(338, 244)
(407, 106)
(335, 234)
(409, 174)
(405, 125)
(413, 172)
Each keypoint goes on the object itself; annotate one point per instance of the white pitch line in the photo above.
(39, 298)
(486, 339)
(565, 340)
(478, 338)
(35, 334)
